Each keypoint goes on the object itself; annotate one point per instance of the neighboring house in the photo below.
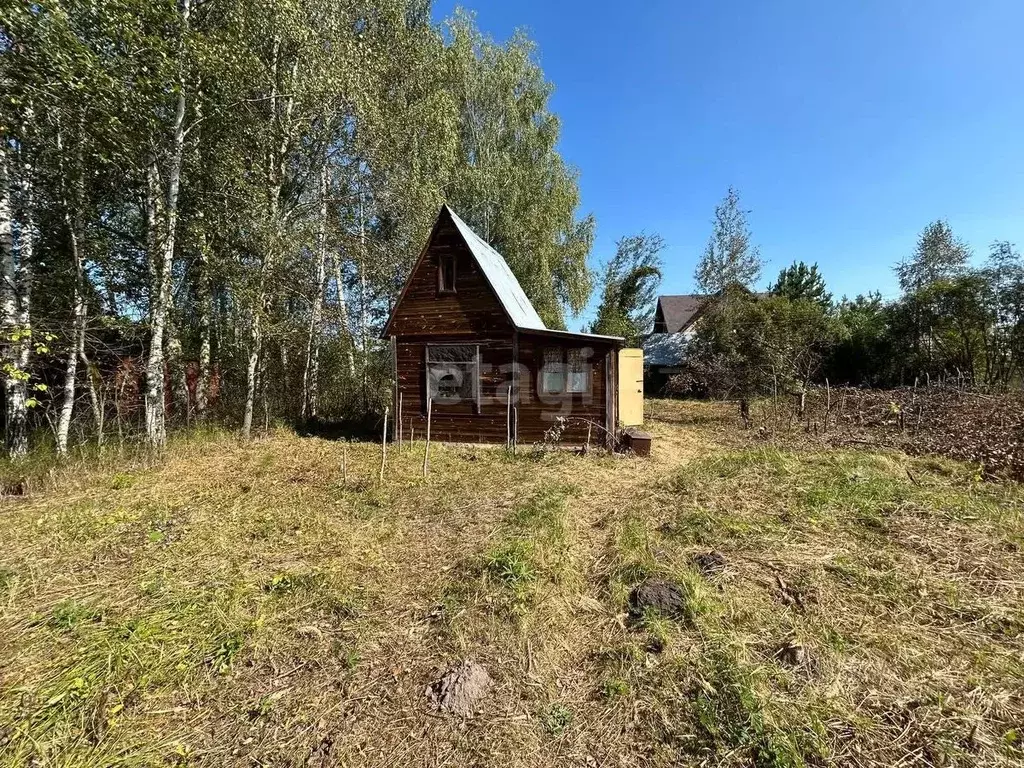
(676, 320)
(466, 337)
(679, 314)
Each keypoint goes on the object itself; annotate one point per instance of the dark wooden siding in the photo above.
(460, 422)
(473, 309)
(537, 413)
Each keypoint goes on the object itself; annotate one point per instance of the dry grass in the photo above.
(241, 605)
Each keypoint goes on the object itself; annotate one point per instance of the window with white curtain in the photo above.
(577, 371)
(553, 373)
(565, 371)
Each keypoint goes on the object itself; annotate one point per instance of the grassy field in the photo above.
(244, 604)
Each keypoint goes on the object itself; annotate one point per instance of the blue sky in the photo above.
(847, 127)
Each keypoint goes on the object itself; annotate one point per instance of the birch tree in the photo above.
(730, 259)
(162, 207)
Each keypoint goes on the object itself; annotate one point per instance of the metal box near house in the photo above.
(638, 442)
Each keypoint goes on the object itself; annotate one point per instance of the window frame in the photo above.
(565, 370)
(474, 368)
(446, 262)
(545, 372)
(585, 369)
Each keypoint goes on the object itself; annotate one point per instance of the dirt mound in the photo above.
(460, 688)
(709, 563)
(657, 595)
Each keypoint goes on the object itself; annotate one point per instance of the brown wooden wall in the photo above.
(472, 309)
(537, 414)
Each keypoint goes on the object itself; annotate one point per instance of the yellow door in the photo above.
(631, 387)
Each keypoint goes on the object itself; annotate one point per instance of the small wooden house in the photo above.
(466, 338)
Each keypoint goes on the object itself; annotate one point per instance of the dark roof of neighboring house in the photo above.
(676, 313)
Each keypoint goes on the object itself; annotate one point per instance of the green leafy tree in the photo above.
(630, 286)
(798, 281)
(729, 258)
(862, 353)
(938, 255)
(510, 183)
(747, 347)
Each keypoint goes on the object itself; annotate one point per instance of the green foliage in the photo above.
(939, 255)
(556, 719)
(631, 279)
(746, 345)
(512, 564)
(614, 688)
(70, 613)
(316, 143)
(733, 717)
(226, 651)
(729, 260)
(508, 182)
(798, 282)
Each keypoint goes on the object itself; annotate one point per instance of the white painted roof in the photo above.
(503, 282)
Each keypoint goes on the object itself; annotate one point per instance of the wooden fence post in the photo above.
(828, 404)
(384, 445)
(426, 450)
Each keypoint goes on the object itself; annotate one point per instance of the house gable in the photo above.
(473, 308)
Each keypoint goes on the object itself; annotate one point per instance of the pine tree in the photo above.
(800, 282)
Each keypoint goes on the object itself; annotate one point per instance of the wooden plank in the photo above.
(472, 308)
(394, 373)
(610, 395)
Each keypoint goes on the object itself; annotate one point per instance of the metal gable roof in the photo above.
(503, 282)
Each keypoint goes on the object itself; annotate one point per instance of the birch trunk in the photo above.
(162, 259)
(94, 386)
(71, 366)
(343, 318)
(16, 302)
(179, 376)
(281, 108)
(205, 302)
(73, 221)
(311, 372)
(250, 375)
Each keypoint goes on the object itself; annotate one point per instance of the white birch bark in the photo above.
(77, 342)
(72, 219)
(281, 108)
(162, 262)
(94, 385)
(343, 318)
(250, 372)
(15, 303)
(179, 375)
